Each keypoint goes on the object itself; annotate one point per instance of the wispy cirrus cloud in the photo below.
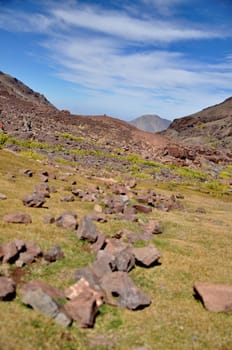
(116, 57)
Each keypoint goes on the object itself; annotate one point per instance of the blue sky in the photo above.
(121, 58)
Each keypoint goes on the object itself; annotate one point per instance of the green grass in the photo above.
(195, 247)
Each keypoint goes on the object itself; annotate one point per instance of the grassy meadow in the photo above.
(195, 247)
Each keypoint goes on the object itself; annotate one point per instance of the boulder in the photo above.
(69, 198)
(99, 244)
(53, 254)
(9, 252)
(83, 286)
(215, 297)
(104, 263)
(28, 257)
(119, 284)
(142, 208)
(35, 200)
(88, 274)
(18, 218)
(153, 227)
(46, 288)
(67, 220)
(7, 288)
(146, 256)
(87, 230)
(83, 308)
(42, 302)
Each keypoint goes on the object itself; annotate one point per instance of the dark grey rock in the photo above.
(87, 230)
(42, 302)
(128, 294)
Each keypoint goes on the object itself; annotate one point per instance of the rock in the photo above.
(83, 308)
(98, 208)
(215, 297)
(54, 254)
(7, 288)
(42, 188)
(87, 230)
(9, 252)
(124, 260)
(67, 220)
(83, 286)
(142, 208)
(18, 218)
(49, 219)
(46, 288)
(35, 200)
(67, 199)
(42, 302)
(95, 216)
(28, 257)
(146, 256)
(129, 295)
(153, 227)
(104, 263)
(27, 172)
(88, 274)
(201, 210)
(115, 246)
(99, 244)
(136, 237)
(2, 196)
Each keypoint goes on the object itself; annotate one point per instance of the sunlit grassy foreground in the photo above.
(195, 247)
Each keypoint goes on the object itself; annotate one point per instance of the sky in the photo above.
(121, 58)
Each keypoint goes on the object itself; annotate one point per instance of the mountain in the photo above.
(16, 88)
(211, 126)
(150, 122)
(91, 141)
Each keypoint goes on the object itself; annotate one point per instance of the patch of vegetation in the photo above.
(226, 173)
(72, 137)
(190, 174)
(33, 155)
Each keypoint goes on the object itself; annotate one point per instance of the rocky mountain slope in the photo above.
(211, 126)
(151, 123)
(111, 139)
(15, 87)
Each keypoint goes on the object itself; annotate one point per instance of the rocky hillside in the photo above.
(111, 139)
(211, 126)
(15, 87)
(151, 123)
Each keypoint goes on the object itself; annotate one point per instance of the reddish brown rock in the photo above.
(7, 288)
(153, 227)
(67, 220)
(146, 256)
(215, 297)
(18, 218)
(83, 308)
(142, 208)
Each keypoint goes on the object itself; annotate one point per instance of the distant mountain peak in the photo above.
(150, 122)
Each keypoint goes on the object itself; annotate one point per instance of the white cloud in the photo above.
(121, 63)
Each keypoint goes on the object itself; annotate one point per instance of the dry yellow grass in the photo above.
(195, 247)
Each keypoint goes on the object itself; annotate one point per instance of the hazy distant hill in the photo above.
(150, 122)
(211, 126)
